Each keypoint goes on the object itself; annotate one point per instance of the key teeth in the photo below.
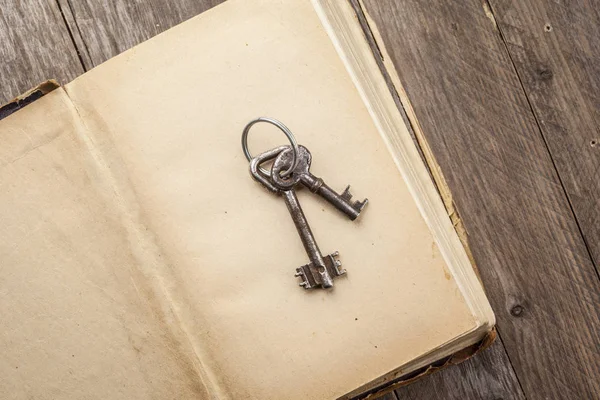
(310, 276)
(346, 195)
(337, 264)
(300, 273)
(359, 205)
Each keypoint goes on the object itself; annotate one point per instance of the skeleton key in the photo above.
(290, 167)
(321, 270)
(316, 185)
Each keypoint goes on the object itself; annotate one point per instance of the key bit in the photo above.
(310, 276)
(357, 205)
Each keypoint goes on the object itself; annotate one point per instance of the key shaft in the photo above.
(343, 202)
(339, 201)
(307, 237)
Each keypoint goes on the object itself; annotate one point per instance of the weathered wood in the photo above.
(107, 28)
(556, 50)
(467, 381)
(34, 46)
(466, 99)
(389, 396)
(487, 376)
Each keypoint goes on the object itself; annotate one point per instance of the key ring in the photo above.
(287, 133)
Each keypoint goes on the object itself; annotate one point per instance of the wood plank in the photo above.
(466, 381)
(464, 97)
(488, 375)
(107, 28)
(35, 46)
(556, 50)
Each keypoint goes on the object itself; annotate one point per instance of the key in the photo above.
(320, 271)
(342, 202)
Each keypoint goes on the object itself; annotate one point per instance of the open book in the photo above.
(140, 260)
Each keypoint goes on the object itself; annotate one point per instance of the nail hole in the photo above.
(517, 311)
(594, 142)
(545, 74)
(548, 28)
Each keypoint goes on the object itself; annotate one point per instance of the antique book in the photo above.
(140, 260)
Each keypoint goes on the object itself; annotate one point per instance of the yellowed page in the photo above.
(80, 314)
(169, 115)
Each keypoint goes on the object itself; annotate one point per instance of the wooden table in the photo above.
(507, 93)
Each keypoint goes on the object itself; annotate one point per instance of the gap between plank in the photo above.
(541, 131)
(84, 65)
(378, 56)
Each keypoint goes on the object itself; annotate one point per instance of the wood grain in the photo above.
(487, 376)
(34, 46)
(107, 28)
(470, 106)
(555, 47)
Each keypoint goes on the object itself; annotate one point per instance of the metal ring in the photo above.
(287, 133)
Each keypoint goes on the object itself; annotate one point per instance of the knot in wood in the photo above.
(545, 74)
